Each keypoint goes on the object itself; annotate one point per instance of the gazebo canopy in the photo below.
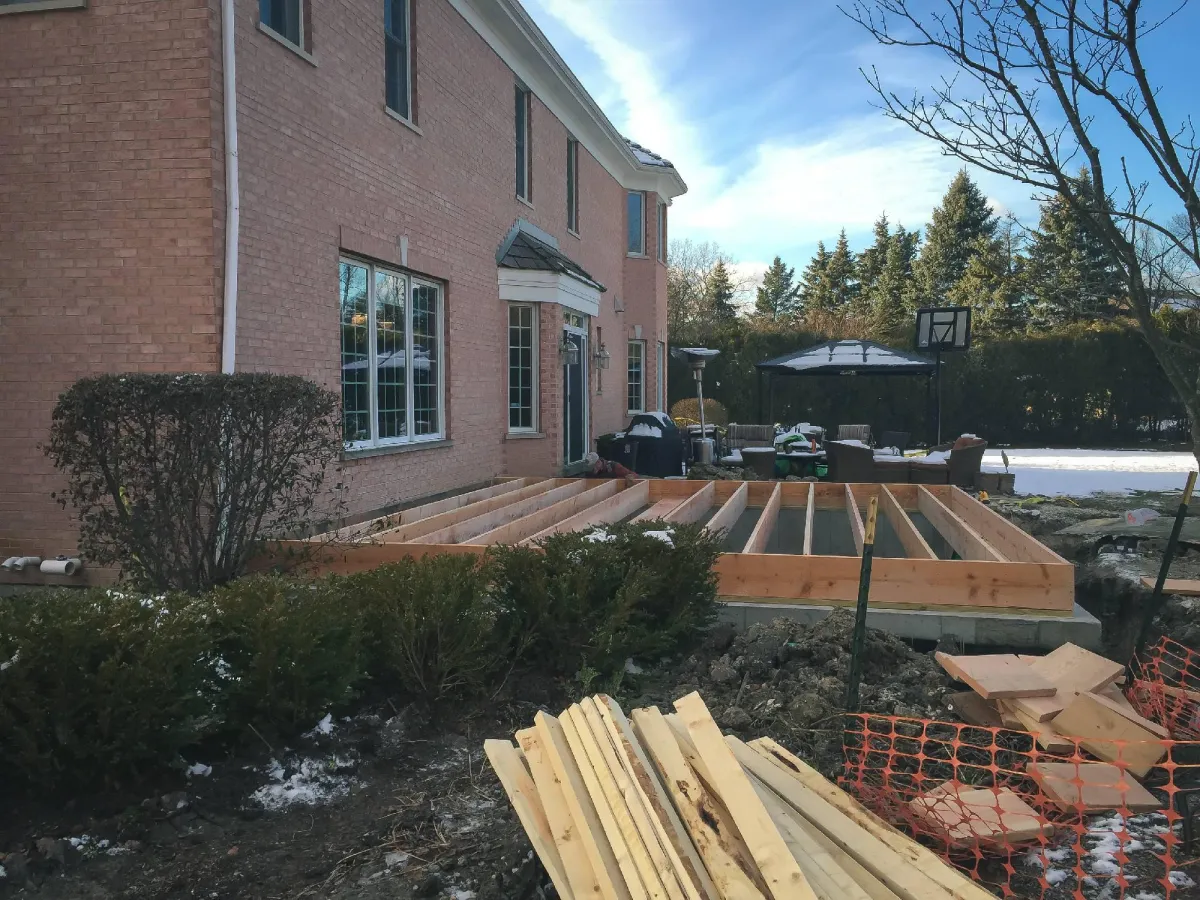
(848, 358)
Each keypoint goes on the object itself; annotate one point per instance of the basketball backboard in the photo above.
(945, 328)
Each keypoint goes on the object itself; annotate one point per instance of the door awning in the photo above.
(530, 269)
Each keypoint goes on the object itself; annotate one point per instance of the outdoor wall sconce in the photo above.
(602, 357)
(569, 352)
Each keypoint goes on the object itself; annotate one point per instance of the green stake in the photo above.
(860, 615)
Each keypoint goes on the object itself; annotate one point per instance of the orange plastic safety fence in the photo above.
(1029, 823)
(1166, 688)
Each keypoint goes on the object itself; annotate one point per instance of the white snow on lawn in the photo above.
(1077, 473)
(305, 782)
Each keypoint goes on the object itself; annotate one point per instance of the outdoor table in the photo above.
(803, 462)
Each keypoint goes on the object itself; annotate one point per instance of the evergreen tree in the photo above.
(951, 239)
(891, 307)
(813, 293)
(778, 295)
(871, 263)
(839, 277)
(718, 293)
(1069, 275)
(989, 286)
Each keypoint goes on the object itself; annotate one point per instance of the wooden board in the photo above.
(583, 811)
(708, 823)
(615, 508)
(914, 544)
(1109, 735)
(383, 524)
(1007, 538)
(974, 709)
(529, 525)
(1047, 737)
(426, 523)
(761, 535)
(1092, 787)
(856, 522)
(469, 528)
(892, 853)
(1115, 702)
(1071, 669)
(694, 507)
(996, 676)
(577, 866)
(659, 510)
(987, 816)
(810, 517)
(783, 876)
(965, 540)
(726, 517)
(509, 765)
(1183, 587)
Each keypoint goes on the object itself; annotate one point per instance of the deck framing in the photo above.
(998, 566)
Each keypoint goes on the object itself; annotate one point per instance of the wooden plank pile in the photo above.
(665, 806)
(1066, 699)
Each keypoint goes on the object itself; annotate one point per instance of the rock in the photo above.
(722, 671)
(53, 849)
(720, 636)
(16, 867)
(431, 886)
(174, 802)
(734, 717)
(134, 846)
(809, 707)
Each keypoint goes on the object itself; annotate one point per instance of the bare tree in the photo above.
(690, 264)
(1035, 79)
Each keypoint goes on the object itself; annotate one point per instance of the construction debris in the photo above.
(665, 806)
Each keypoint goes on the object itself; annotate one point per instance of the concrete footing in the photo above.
(981, 628)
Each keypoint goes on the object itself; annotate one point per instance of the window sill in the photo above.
(636, 256)
(41, 6)
(368, 452)
(524, 435)
(574, 234)
(521, 199)
(407, 123)
(295, 48)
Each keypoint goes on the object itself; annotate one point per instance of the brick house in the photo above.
(433, 215)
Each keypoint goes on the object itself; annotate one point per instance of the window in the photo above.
(285, 18)
(391, 356)
(397, 62)
(636, 220)
(662, 232)
(522, 368)
(572, 185)
(16, 6)
(637, 376)
(524, 145)
(661, 377)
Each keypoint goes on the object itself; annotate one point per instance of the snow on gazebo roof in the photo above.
(849, 358)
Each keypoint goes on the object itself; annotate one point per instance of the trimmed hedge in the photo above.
(98, 686)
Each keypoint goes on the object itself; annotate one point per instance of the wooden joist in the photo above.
(615, 508)
(810, 516)
(726, 517)
(694, 507)
(914, 544)
(383, 524)
(1001, 534)
(856, 522)
(965, 540)
(660, 510)
(417, 527)
(526, 526)
(469, 528)
(761, 535)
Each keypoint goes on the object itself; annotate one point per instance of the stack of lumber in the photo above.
(1065, 699)
(665, 806)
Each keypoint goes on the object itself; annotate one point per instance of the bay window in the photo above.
(391, 326)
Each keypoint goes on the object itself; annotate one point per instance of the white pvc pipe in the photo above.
(60, 566)
(21, 563)
(232, 196)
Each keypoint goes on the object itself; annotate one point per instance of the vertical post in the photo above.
(860, 614)
(770, 399)
(760, 398)
(1155, 603)
(938, 377)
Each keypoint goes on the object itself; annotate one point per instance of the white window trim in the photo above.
(662, 231)
(527, 157)
(639, 254)
(641, 382)
(372, 359)
(41, 6)
(535, 396)
(573, 186)
(409, 120)
(661, 374)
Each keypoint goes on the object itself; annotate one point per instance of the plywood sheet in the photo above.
(994, 816)
(996, 676)
(1092, 787)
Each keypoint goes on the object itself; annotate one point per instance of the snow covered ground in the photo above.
(1078, 473)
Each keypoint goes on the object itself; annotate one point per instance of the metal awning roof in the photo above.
(523, 250)
(849, 358)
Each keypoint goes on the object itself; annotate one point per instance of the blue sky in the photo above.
(766, 116)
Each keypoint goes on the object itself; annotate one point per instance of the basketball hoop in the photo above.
(943, 329)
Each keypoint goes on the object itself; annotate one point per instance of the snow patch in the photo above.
(664, 536)
(16, 658)
(644, 429)
(1056, 876)
(305, 782)
(199, 770)
(1180, 879)
(599, 536)
(325, 726)
(1078, 473)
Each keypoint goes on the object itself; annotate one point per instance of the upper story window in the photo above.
(397, 57)
(524, 144)
(16, 6)
(636, 222)
(572, 185)
(662, 232)
(392, 351)
(285, 18)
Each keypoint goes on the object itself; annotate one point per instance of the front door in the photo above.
(575, 393)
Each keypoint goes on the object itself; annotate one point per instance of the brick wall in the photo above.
(106, 222)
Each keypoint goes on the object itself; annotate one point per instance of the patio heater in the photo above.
(696, 357)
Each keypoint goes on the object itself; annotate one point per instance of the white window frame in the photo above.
(535, 368)
(300, 22)
(641, 251)
(408, 68)
(662, 377)
(629, 356)
(410, 281)
(662, 231)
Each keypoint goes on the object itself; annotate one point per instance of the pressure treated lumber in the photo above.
(914, 544)
(761, 535)
(996, 676)
(775, 861)
(531, 524)
(965, 540)
(712, 830)
(382, 525)
(726, 517)
(577, 867)
(1183, 587)
(810, 516)
(856, 522)
(991, 816)
(509, 766)
(1071, 669)
(694, 507)
(1092, 787)
(465, 530)
(948, 881)
(1007, 538)
(419, 526)
(1110, 736)
(583, 810)
(614, 509)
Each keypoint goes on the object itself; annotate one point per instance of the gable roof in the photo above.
(849, 358)
(523, 250)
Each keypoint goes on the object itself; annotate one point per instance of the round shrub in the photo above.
(689, 408)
